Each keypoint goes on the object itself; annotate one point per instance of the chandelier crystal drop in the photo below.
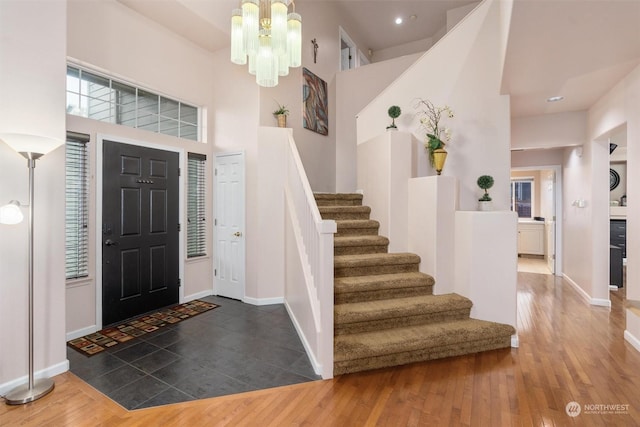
(267, 38)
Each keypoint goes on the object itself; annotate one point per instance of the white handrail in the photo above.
(314, 243)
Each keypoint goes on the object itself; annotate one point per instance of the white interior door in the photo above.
(229, 221)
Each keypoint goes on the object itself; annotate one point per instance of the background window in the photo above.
(521, 197)
(196, 225)
(76, 206)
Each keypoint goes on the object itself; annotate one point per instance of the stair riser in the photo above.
(344, 215)
(349, 297)
(398, 322)
(382, 361)
(360, 250)
(338, 202)
(374, 269)
(356, 232)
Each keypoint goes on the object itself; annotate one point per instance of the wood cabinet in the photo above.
(618, 234)
(531, 238)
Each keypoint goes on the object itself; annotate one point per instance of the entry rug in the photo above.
(106, 338)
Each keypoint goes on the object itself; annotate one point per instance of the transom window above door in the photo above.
(99, 97)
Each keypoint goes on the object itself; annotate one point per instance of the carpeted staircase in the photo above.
(385, 310)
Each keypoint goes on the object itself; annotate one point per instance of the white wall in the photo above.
(547, 157)
(549, 130)
(411, 48)
(355, 88)
(32, 96)
(621, 105)
(467, 60)
(105, 36)
(320, 21)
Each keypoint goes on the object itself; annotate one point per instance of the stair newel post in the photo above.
(326, 230)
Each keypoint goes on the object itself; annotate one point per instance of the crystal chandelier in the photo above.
(269, 39)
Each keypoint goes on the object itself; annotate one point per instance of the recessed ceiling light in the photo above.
(398, 20)
(555, 98)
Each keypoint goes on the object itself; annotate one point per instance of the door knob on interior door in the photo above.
(237, 234)
(110, 242)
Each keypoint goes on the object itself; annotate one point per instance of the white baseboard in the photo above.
(197, 295)
(317, 366)
(593, 301)
(631, 339)
(613, 288)
(49, 372)
(81, 332)
(263, 301)
(515, 341)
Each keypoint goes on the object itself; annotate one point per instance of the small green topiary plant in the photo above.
(394, 112)
(485, 182)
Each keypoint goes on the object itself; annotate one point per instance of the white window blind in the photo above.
(196, 225)
(77, 206)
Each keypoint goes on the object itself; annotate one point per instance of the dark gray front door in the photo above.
(139, 231)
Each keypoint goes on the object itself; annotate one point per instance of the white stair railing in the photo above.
(309, 265)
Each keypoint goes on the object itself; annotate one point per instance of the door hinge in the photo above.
(215, 271)
(179, 171)
(215, 221)
(179, 282)
(179, 227)
(216, 172)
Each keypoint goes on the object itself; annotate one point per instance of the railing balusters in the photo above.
(317, 241)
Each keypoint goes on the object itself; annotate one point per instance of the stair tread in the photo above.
(338, 208)
(348, 196)
(340, 241)
(417, 337)
(399, 307)
(365, 260)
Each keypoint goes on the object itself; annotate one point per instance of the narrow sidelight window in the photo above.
(77, 206)
(196, 225)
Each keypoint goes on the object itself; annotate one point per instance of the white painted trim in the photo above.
(98, 220)
(600, 302)
(48, 372)
(515, 341)
(613, 288)
(197, 295)
(575, 286)
(81, 332)
(264, 301)
(631, 339)
(317, 366)
(592, 301)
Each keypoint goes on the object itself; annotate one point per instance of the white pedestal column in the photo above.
(486, 264)
(431, 225)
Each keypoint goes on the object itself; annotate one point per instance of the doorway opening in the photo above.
(536, 195)
(348, 51)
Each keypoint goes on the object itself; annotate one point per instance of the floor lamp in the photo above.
(31, 147)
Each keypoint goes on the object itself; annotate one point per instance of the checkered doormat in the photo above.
(99, 341)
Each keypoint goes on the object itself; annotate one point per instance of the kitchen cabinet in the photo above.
(531, 238)
(618, 235)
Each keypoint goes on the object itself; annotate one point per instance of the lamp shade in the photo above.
(26, 143)
(11, 213)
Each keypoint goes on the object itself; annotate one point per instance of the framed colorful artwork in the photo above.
(315, 103)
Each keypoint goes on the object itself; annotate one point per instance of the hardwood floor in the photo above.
(569, 351)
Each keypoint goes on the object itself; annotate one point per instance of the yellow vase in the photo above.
(439, 157)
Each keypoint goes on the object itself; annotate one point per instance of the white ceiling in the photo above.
(575, 48)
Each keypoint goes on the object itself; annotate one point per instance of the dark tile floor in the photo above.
(234, 348)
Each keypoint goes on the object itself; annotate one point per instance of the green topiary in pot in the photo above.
(394, 112)
(485, 182)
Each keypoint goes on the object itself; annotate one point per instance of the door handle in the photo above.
(237, 234)
(110, 242)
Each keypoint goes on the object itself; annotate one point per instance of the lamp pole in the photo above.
(34, 389)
